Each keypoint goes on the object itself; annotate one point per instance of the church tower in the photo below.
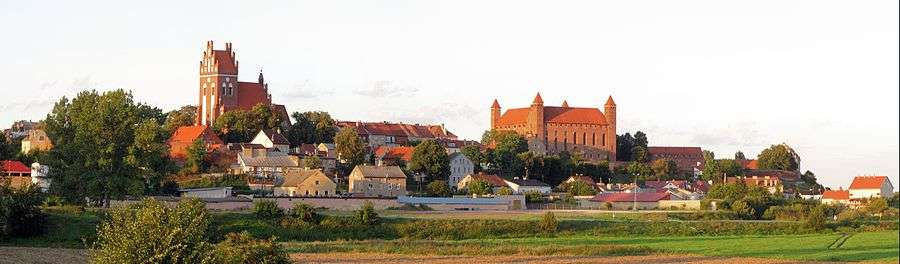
(495, 114)
(535, 121)
(609, 110)
(218, 83)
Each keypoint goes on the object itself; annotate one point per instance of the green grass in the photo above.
(63, 231)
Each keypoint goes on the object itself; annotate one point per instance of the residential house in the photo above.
(39, 176)
(304, 182)
(36, 140)
(260, 162)
(627, 201)
(376, 134)
(206, 193)
(460, 166)
(678, 189)
(306, 150)
(272, 140)
(771, 180)
(521, 186)
(839, 196)
(688, 160)
(186, 135)
(493, 180)
(377, 181)
(581, 178)
(327, 149)
(393, 156)
(864, 187)
(14, 174)
(19, 129)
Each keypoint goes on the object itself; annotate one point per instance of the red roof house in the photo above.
(185, 136)
(14, 168)
(839, 196)
(871, 186)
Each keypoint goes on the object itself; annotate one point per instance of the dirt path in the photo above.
(329, 258)
(24, 255)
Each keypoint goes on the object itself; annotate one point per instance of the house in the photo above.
(678, 189)
(839, 196)
(327, 149)
(688, 160)
(39, 176)
(500, 203)
(376, 134)
(455, 145)
(260, 162)
(460, 166)
(19, 129)
(307, 150)
(304, 182)
(377, 181)
(186, 135)
(522, 186)
(215, 192)
(493, 180)
(272, 140)
(864, 187)
(749, 164)
(393, 156)
(36, 140)
(15, 174)
(627, 201)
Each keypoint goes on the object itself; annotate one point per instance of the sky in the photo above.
(821, 76)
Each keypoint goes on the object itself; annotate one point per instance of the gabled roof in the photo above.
(836, 194)
(585, 179)
(399, 129)
(293, 178)
(868, 182)
(251, 94)
(225, 62)
(493, 180)
(555, 114)
(380, 171)
(275, 137)
(661, 184)
(13, 166)
(631, 197)
(188, 133)
(781, 174)
(271, 160)
(404, 153)
(528, 182)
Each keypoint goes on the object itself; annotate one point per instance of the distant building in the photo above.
(305, 183)
(19, 129)
(493, 180)
(260, 162)
(377, 181)
(272, 140)
(205, 193)
(688, 160)
(14, 174)
(186, 135)
(839, 196)
(39, 176)
(772, 180)
(555, 129)
(36, 140)
(460, 166)
(393, 156)
(376, 134)
(871, 187)
(628, 201)
(521, 186)
(584, 179)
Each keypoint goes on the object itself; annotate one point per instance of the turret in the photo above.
(495, 114)
(565, 104)
(609, 110)
(535, 121)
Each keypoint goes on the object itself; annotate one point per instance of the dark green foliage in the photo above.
(534, 197)
(640, 154)
(816, 218)
(242, 248)
(739, 156)
(577, 188)
(366, 215)
(241, 126)
(548, 223)
(184, 116)
(665, 169)
(267, 209)
(438, 189)
(310, 128)
(474, 154)
(349, 147)
(478, 187)
(778, 157)
(196, 161)
(503, 159)
(626, 144)
(430, 158)
(743, 209)
(6, 149)
(305, 213)
(20, 212)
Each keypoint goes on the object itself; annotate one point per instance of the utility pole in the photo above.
(634, 191)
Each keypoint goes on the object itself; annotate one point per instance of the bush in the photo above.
(305, 213)
(438, 189)
(743, 209)
(534, 197)
(816, 218)
(478, 187)
(54, 200)
(242, 248)
(366, 215)
(267, 209)
(504, 191)
(548, 223)
(152, 232)
(20, 214)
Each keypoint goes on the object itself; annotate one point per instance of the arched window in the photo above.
(593, 139)
(603, 139)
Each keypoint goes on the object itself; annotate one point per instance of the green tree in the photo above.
(664, 169)
(504, 157)
(242, 248)
(311, 127)
(148, 156)
(743, 209)
(312, 162)
(549, 224)
(478, 187)
(877, 206)
(184, 116)
(20, 211)
(640, 169)
(237, 126)
(739, 155)
(349, 147)
(816, 218)
(366, 215)
(504, 191)
(267, 209)
(624, 144)
(578, 188)
(473, 153)
(639, 154)
(430, 158)
(640, 139)
(195, 160)
(5, 148)
(305, 213)
(777, 157)
(438, 189)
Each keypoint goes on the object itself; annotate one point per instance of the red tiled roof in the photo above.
(610, 102)
(555, 114)
(496, 104)
(538, 99)
(251, 94)
(836, 195)
(399, 129)
(493, 180)
(275, 137)
(185, 136)
(749, 164)
(868, 182)
(13, 166)
(403, 153)
(225, 61)
(630, 197)
(781, 174)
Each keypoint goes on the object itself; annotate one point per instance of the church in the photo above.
(220, 90)
(554, 129)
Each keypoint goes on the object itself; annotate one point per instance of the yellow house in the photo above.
(301, 182)
(36, 140)
(375, 181)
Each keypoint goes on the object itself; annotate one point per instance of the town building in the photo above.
(305, 183)
(688, 160)
(36, 140)
(220, 90)
(258, 161)
(272, 140)
(185, 136)
(772, 180)
(554, 129)
(377, 181)
(19, 129)
(15, 174)
(493, 180)
(582, 178)
(376, 134)
(521, 186)
(626, 201)
(839, 196)
(206, 193)
(460, 166)
(393, 156)
(864, 187)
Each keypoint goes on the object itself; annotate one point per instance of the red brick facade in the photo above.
(220, 91)
(553, 129)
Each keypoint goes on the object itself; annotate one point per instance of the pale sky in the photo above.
(821, 76)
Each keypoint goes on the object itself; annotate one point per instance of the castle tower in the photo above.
(218, 83)
(495, 114)
(535, 121)
(609, 110)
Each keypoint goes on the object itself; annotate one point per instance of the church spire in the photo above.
(261, 79)
(496, 104)
(610, 102)
(565, 103)
(538, 100)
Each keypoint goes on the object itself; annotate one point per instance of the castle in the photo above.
(220, 90)
(554, 129)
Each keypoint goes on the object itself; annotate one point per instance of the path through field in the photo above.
(26, 255)
(335, 258)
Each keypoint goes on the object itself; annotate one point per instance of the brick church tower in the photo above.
(220, 90)
(554, 129)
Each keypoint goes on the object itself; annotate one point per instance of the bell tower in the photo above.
(218, 83)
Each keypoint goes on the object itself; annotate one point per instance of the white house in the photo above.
(871, 186)
(521, 186)
(39, 176)
(272, 140)
(216, 192)
(460, 166)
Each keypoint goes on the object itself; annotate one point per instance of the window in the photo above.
(317, 182)
(593, 139)
(603, 139)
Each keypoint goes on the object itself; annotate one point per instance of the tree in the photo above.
(877, 206)
(349, 147)
(311, 127)
(195, 160)
(508, 145)
(778, 157)
(184, 116)
(20, 211)
(549, 224)
(305, 213)
(431, 159)
(739, 155)
(473, 153)
(241, 126)
(148, 155)
(438, 189)
(715, 170)
(624, 144)
(664, 169)
(5, 148)
(478, 187)
(640, 139)
(816, 218)
(366, 215)
(640, 169)
(743, 209)
(504, 191)
(578, 188)
(312, 162)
